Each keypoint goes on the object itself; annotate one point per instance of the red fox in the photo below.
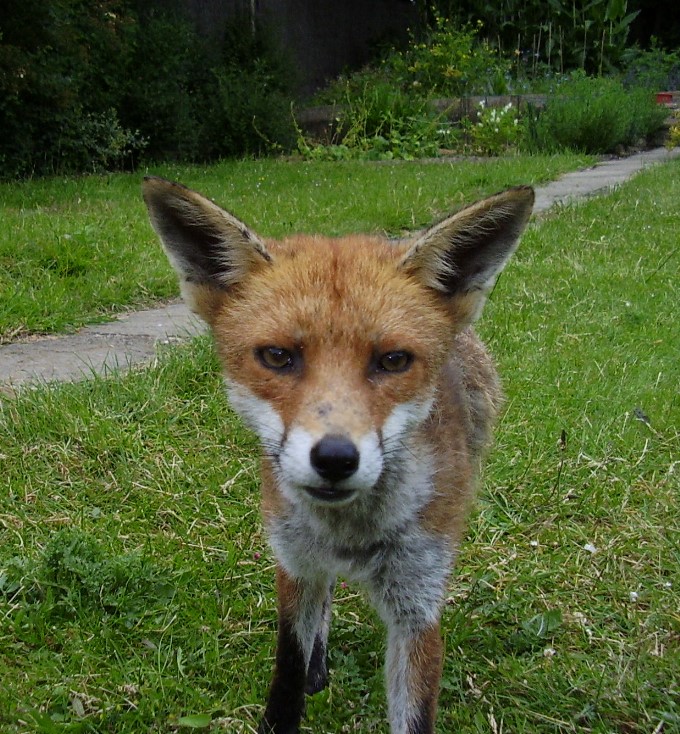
(354, 361)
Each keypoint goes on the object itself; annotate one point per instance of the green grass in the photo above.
(136, 587)
(77, 250)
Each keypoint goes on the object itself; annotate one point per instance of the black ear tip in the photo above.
(525, 193)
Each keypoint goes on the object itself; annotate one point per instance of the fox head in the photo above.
(333, 348)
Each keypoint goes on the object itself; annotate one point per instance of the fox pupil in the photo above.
(275, 358)
(398, 361)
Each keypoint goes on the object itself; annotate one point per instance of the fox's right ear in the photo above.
(210, 249)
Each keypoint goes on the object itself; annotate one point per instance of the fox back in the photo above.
(355, 362)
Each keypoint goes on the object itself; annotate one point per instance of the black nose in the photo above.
(334, 458)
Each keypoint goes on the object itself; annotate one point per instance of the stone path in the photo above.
(133, 338)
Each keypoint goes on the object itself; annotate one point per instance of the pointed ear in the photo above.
(463, 255)
(209, 248)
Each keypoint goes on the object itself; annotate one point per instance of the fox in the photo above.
(355, 361)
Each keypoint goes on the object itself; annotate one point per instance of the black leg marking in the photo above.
(424, 721)
(317, 673)
(286, 702)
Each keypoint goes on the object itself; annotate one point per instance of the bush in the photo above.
(656, 69)
(381, 121)
(385, 110)
(594, 115)
(251, 112)
(673, 140)
(87, 86)
(450, 61)
(60, 75)
(496, 131)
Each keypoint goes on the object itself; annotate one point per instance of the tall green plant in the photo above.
(563, 34)
(86, 85)
(449, 60)
(594, 115)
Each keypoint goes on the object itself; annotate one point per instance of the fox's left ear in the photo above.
(463, 255)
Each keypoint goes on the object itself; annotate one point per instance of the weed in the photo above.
(673, 140)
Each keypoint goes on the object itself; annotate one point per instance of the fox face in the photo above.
(332, 380)
(354, 361)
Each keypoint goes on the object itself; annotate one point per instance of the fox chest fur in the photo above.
(355, 363)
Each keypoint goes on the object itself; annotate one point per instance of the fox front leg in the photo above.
(409, 596)
(413, 669)
(300, 667)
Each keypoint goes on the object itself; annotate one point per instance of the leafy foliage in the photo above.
(379, 122)
(674, 133)
(76, 570)
(496, 131)
(450, 61)
(88, 86)
(654, 68)
(594, 115)
(562, 34)
(386, 111)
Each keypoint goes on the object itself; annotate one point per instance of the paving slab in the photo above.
(600, 178)
(134, 338)
(98, 349)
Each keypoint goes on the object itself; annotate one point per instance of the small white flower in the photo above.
(533, 543)
(549, 652)
(633, 596)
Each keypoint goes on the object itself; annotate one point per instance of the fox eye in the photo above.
(398, 361)
(276, 358)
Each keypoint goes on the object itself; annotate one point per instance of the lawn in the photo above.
(136, 587)
(78, 250)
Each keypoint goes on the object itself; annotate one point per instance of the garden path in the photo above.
(133, 338)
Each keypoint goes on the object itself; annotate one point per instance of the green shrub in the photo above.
(496, 131)
(90, 86)
(251, 111)
(449, 62)
(62, 68)
(594, 115)
(385, 110)
(673, 140)
(168, 88)
(655, 68)
(380, 122)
